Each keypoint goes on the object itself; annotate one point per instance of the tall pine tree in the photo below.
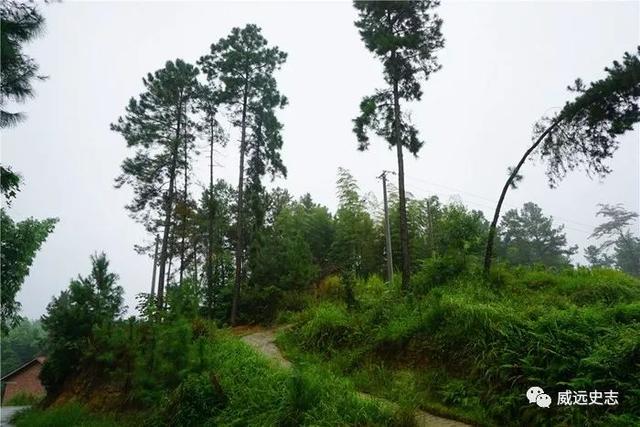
(405, 36)
(245, 65)
(156, 126)
(209, 104)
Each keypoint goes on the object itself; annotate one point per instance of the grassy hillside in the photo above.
(466, 348)
(184, 373)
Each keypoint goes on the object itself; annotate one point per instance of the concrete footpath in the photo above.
(264, 341)
(7, 412)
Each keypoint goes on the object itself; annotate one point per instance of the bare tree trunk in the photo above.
(155, 267)
(488, 254)
(239, 222)
(169, 207)
(171, 237)
(210, 219)
(404, 229)
(183, 246)
(167, 218)
(195, 260)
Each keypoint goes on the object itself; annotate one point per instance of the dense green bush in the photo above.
(437, 271)
(198, 398)
(328, 327)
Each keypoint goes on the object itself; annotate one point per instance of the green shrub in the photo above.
(259, 394)
(293, 301)
(260, 305)
(328, 327)
(626, 313)
(23, 399)
(197, 399)
(71, 414)
(437, 271)
(330, 288)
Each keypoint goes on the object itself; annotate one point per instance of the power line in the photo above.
(483, 205)
(494, 201)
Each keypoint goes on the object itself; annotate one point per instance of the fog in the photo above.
(505, 64)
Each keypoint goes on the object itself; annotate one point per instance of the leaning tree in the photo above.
(584, 134)
(245, 66)
(405, 36)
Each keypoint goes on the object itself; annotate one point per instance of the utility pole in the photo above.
(387, 228)
(155, 265)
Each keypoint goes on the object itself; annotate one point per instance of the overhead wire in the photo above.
(427, 192)
(493, 201)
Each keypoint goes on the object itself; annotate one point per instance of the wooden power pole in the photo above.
(387, 228)
(155, 265)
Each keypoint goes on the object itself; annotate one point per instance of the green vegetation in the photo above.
(619, 248)
(460, 347)
(23, 399)
(584, 134)
(21, 23)
(450, 335)
(20, 243)
(21, 344)
(180, 371)
(71, 414)
(189, 373)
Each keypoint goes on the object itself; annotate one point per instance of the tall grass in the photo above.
(473, 348)
(71, 414)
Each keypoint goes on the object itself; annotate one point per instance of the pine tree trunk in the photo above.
(404, 230)
(488, 254)
(168, 210)
(183, 245)
(239, 222)
(195, 262)
(167, 227)
(210, 237)
(155, 268)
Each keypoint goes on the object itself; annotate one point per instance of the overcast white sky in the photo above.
(504, 65)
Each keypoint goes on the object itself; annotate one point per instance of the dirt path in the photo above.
(263, 340)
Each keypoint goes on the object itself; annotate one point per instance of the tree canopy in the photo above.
(18, 247)
(618, 246)
(71, 317)
(587, 130)
(21, 23)
(157, 126)
(529, 237)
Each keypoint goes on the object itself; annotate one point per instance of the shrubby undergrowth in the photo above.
(464, 346)
(186, 372)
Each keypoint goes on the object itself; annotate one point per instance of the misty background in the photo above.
(505, 64)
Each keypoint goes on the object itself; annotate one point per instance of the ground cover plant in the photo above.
(471, 348)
